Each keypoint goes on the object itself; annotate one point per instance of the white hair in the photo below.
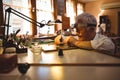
(86, 18)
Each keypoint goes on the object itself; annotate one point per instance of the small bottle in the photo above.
(60, 52)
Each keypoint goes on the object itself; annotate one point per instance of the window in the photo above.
(15, 21)
(70, 10)
(44, 14)
(79, 8)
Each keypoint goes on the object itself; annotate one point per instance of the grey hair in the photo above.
(86, 18)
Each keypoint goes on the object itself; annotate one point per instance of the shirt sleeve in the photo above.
(103, 43)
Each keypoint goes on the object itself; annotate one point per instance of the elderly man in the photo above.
(87, 37)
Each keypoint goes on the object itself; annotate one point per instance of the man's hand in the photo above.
(70, 40)
(66, 40)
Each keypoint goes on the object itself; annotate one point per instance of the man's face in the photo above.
(85, 33)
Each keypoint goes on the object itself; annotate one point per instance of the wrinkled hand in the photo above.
(67, 39)
(70, 40)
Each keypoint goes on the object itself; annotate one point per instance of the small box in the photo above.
(7, 62)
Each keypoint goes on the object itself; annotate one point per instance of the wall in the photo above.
(1, 13)
(94, 8)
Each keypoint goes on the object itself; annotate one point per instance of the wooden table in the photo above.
(72, 56)
(76, 64)
(65, 73)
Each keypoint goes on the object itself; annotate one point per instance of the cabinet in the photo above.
(105, 23)
(65, 23)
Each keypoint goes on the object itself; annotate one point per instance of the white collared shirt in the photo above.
(103, 43)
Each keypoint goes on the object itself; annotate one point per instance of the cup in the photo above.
(37, 49)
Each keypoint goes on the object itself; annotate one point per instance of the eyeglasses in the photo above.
(84, 25)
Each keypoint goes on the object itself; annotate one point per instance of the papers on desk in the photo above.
(53, 47)
(48, 47)
(45, 37)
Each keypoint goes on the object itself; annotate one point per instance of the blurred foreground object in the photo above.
(7, 62)
(23, 68)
